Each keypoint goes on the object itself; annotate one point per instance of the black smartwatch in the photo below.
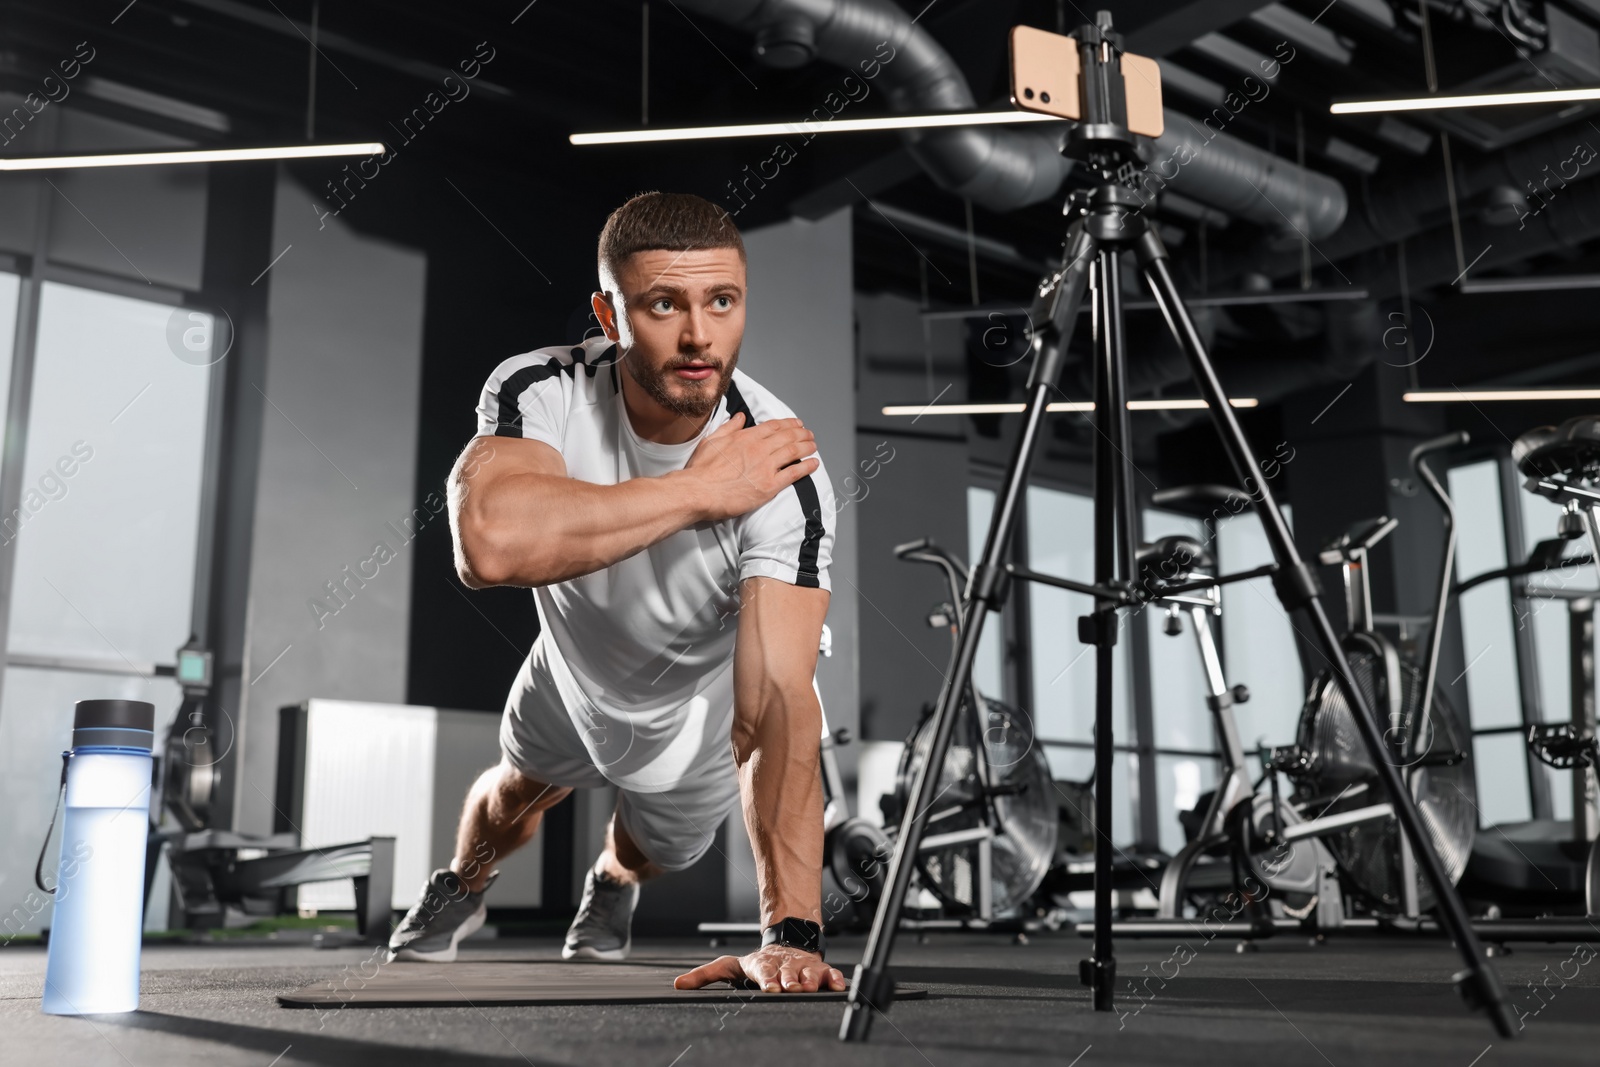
(802, 934)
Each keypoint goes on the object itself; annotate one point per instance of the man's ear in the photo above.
(606, 315)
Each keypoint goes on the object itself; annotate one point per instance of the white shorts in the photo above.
(673, 817)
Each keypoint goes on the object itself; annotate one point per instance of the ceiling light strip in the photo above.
(808, 126)
(1532, 284)
(1447, 396)
(1194, 404)
(205, 155)
(1435, 103)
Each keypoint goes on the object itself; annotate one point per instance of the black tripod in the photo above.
(1106, 222)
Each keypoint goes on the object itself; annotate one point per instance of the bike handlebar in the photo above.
(1437, 444)
(920, 544)
(924, 550)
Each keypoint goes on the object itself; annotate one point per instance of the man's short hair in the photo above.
(672, 222)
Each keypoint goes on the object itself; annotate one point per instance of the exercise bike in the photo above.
(1547, 867)
(1533, 865)
(1248, 829)
(1423, 734)
(993, 829)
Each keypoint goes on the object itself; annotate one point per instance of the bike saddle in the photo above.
(1360, 535)
(1171, 557)
(1568, 449)
(1203, 497)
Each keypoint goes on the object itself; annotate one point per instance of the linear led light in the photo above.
(1071, 405)
(768, 129)
(1434, 103)
(1446, 396)
(1531, 284)
(203, 155)
(1286, 296)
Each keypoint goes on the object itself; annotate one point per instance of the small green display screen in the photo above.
(194, 667)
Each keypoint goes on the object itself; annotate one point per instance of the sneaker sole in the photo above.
(586, 952)
(444, 955)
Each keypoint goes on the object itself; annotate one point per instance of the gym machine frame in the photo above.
(1106, 222)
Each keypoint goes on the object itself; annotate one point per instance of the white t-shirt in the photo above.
(638, 641)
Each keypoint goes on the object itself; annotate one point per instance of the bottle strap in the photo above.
(38, 869)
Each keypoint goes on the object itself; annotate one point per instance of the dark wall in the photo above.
(510, 268)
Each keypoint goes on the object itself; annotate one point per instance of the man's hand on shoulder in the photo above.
(737, 469)
(773, 969)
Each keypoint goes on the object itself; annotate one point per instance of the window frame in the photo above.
(1144, 796)
(33, 275)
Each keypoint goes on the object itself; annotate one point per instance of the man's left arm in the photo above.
(776, 740)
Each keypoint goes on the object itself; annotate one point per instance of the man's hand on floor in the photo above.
(773, 969)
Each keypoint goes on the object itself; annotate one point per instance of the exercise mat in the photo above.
(415, 985)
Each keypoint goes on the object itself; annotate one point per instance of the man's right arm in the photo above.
(518, 519)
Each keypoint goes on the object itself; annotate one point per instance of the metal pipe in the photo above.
(1003, 168)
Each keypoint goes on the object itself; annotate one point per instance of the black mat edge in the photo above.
(697, 996)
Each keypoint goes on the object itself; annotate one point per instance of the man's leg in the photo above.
(603, 927)
(502, 812)
(670, 823)
(621, 861)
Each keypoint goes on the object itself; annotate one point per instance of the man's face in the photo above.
(679, 317)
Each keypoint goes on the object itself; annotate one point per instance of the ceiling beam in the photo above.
(285, 26)
(1161, 27)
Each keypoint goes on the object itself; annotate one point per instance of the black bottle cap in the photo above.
(126, 723)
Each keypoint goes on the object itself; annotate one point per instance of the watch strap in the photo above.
(791, 932)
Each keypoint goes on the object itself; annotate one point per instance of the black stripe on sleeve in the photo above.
(811, 507)
(508, 415)
(805, 490)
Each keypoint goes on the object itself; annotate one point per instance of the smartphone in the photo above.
(1045, 73)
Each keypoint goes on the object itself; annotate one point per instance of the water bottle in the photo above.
(98, 923)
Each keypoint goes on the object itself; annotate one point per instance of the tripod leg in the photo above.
(1296, 586)
(1112, 554)
(871, 987)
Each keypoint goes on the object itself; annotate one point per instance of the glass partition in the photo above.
(106, 536)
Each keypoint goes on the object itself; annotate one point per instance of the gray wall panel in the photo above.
(337, 471)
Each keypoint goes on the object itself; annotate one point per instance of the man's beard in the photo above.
(695, 403)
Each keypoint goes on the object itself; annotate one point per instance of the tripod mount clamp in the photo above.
(1101, 136)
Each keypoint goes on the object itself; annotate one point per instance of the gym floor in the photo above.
(1355, 1002)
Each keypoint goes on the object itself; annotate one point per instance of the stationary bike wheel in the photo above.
(1001, 767)
(1339, 773)
(1287, 869)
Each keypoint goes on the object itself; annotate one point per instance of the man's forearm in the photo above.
(781, 785)
(538, 529)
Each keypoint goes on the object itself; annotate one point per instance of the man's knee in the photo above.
(518, 794)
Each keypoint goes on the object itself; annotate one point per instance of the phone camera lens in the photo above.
(1028, 93)
(1045, 97)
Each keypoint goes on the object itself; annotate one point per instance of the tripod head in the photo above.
(1113, 97)
(1086, 76)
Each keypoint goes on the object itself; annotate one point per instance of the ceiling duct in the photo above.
(1509, 188)
(1565, 225)
(1003, 168)
(1245, 181)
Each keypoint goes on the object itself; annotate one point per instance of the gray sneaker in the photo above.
(446, 915)
(603, 927)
